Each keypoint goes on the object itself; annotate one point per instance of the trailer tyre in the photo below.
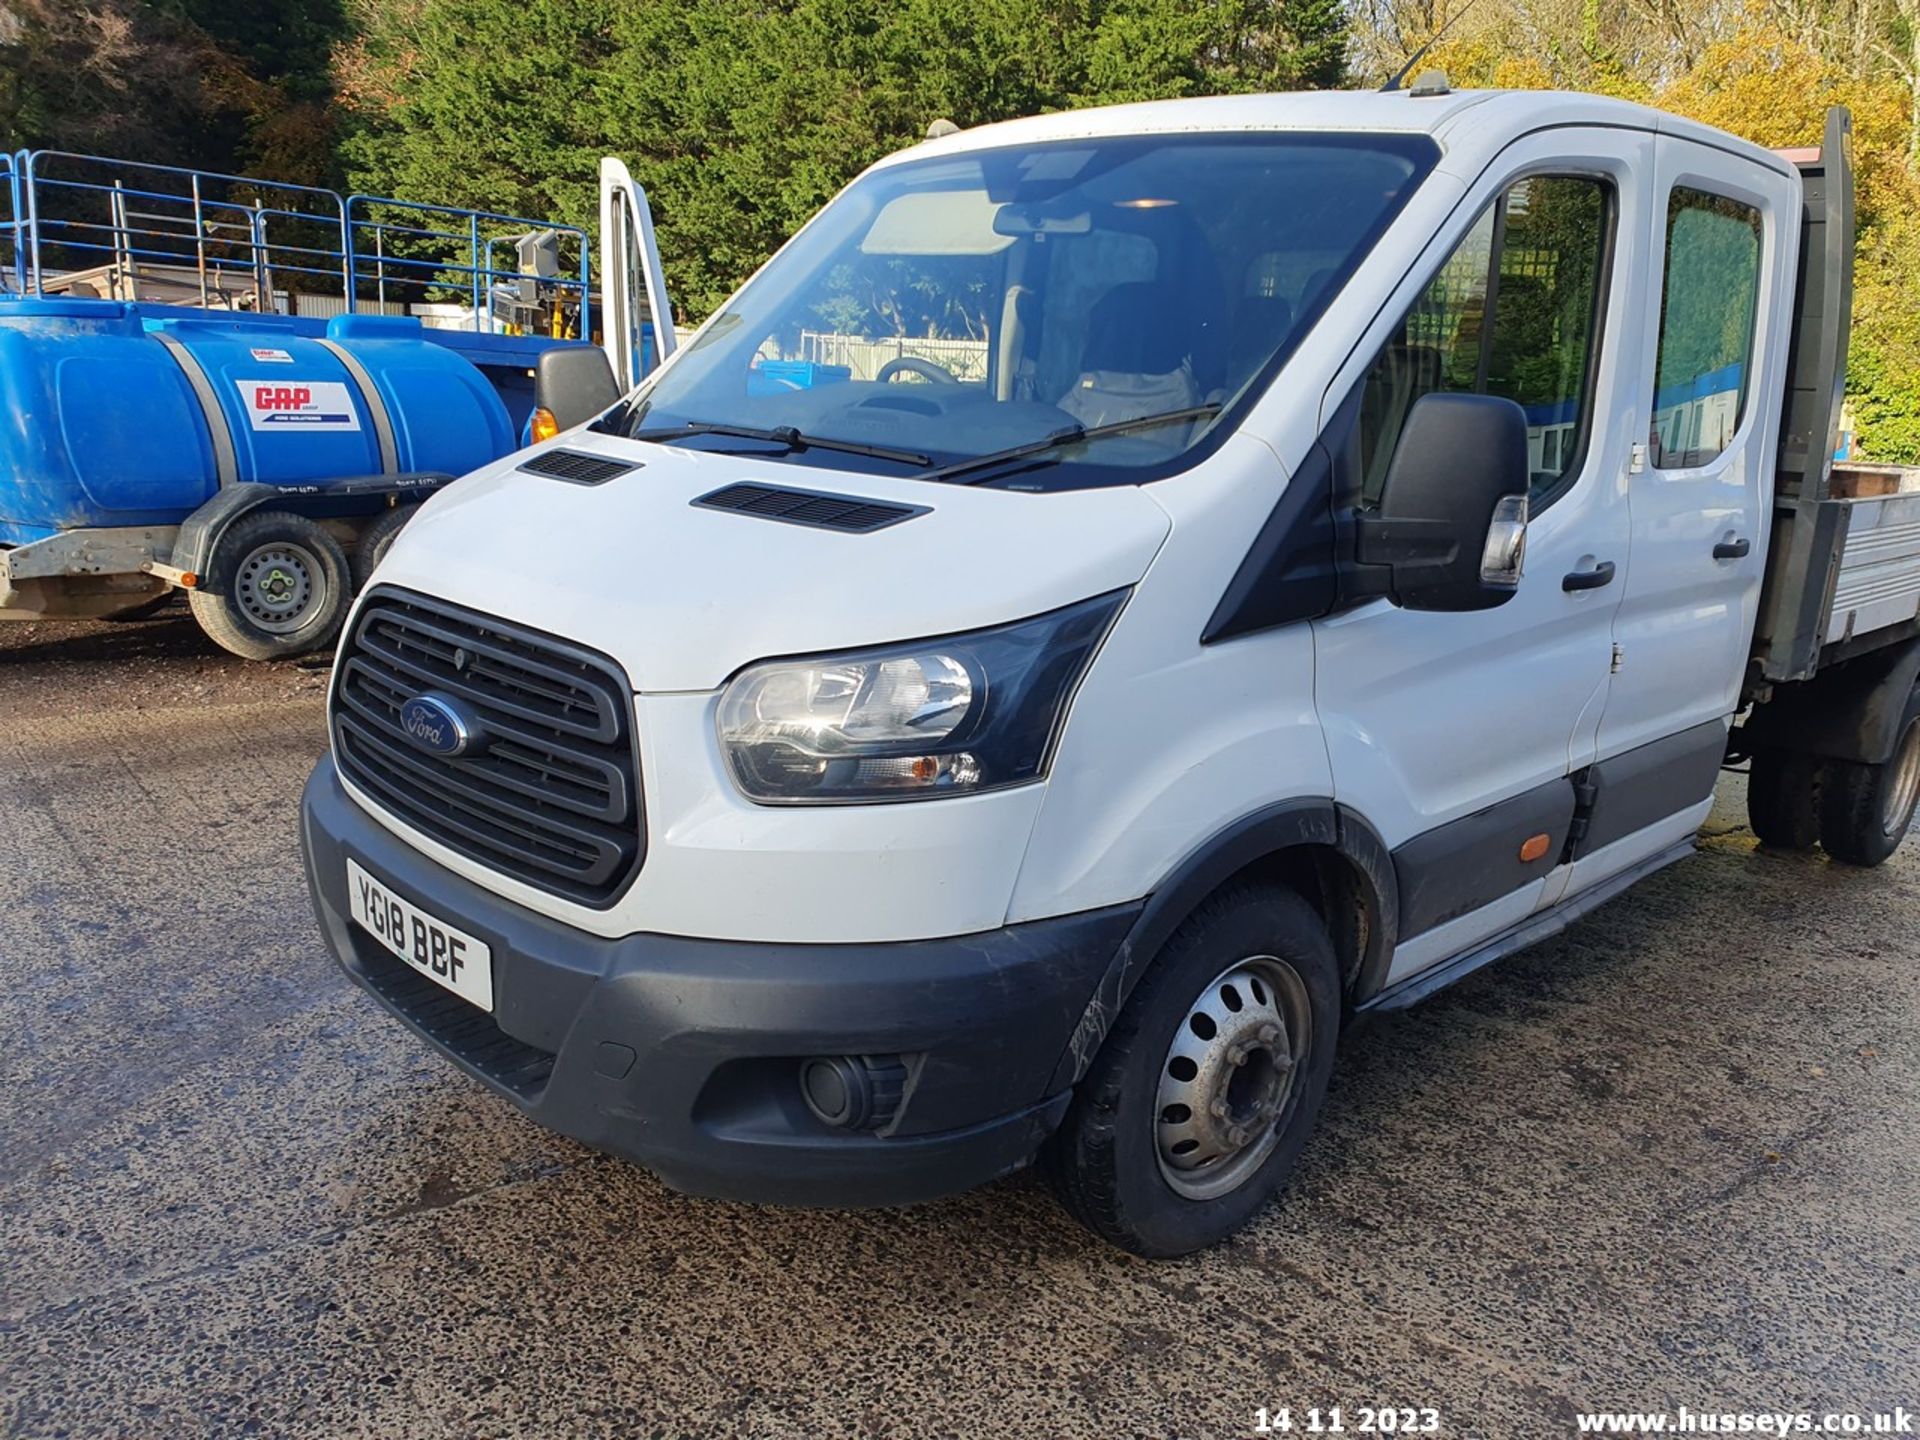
(1197, 1105)
(1783, 799)
(374, 542)
(1865, 810)
(278, 587)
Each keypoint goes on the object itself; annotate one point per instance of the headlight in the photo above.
(910, 722)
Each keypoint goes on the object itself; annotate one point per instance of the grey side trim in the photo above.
(1473, 861)
(376, 406)
(1650, 782)
(1528, 932)
(226, 465)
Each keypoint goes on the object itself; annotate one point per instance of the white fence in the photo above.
(963, 359)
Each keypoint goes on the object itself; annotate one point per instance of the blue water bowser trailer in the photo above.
(243, 389)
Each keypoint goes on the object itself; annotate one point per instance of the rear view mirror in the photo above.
(1040, 218)
(1451, 526)
(574, 383)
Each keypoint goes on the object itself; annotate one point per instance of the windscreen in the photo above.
(942, 310)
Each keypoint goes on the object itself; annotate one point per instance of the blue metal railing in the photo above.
(13, 254)
(373, 255)
(132, 229)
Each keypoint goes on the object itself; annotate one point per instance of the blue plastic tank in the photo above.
(101, 423)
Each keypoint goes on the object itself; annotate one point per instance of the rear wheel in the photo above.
(1196, 1107)
(1783, 799)
(278, 587)
(1866, 810)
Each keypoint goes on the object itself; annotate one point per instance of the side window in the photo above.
(1514, 311)
(1709, 299)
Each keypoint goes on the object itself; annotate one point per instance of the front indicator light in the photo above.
(952, 716)
(545, 425)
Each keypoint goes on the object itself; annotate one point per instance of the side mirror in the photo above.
(573, 383)
(1451, 529)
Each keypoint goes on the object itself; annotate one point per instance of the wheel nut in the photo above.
(1237, 1055)
(1269, 1033)
(1237, 1135)
(1218, 1109)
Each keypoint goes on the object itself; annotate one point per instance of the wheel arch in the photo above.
(200, 534)
(1855, 711)
(1321, 850)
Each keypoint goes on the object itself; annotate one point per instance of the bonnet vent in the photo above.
(577, 468)
(817, 508)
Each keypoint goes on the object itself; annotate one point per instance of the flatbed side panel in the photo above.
(1878, 578)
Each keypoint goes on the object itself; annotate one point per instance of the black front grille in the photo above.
(551, 796)
(818, 508)
(467, 1032)
(579, 469)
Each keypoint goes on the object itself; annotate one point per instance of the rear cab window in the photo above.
(1709, 304)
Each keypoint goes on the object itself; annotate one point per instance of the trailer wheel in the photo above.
(1783, 799)
(278, 587)
(1195, 1108)
(374, 542)
(1865, 810)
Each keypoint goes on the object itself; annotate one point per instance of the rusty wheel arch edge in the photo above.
(1310, 829)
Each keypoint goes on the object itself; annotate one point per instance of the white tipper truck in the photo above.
(1118, 596)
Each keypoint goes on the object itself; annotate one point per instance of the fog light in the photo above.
(854, 1092)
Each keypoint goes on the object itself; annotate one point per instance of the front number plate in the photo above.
(442, 953)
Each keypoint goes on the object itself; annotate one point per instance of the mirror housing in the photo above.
(574, 383)
(1040, 217)
(1450, 530)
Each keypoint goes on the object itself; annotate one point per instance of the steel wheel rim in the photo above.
(1229, 1079)
(1905, 790)
(278, 585)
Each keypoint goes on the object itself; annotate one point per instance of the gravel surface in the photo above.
(1668, 1158)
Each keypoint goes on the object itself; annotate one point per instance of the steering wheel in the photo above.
(914, 365)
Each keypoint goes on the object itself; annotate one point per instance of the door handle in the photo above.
(1731, 550)
(1601, 574)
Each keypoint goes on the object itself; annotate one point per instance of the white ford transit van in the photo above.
(1119, 595)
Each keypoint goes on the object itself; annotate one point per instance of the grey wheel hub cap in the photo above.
(278, 586)
(1228, 1077)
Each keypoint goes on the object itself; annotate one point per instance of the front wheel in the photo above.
(279, 587)
(1866, 810)
(1196, 1107)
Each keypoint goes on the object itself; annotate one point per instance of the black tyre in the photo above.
(371, 548)
(278, 587)
(1783, 799)
(1197, 1105)
(1866, 810)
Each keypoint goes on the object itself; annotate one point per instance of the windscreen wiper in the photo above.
(1062, 439)
(785, 435)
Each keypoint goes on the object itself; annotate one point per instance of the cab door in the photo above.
(636, 320)
(1713, 322)
(1456, 735)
